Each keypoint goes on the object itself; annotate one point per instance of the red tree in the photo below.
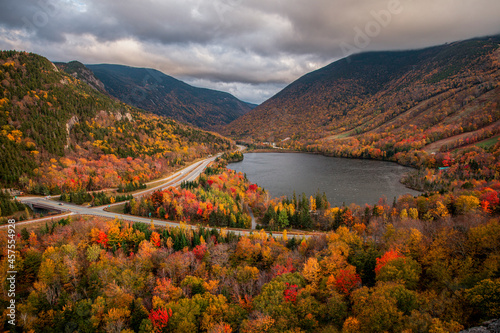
(491, 197)
(102, 239)
(159, 318)
(290, 293)
(199, 251)
(386, 258)
(280, 269)
(346, 281)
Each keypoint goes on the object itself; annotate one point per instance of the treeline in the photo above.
(296, 213)
(131, 186)
(232, 157)
(472, 139)
(316, 212)
(79, 197)
(102, 198)
(95, 198)
(177, 239)
(8, 205)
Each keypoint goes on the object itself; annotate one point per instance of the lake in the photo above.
(342, 180)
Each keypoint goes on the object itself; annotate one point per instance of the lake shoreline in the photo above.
(287, 151)
(355, 179)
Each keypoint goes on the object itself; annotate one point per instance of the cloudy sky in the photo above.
(250, 48)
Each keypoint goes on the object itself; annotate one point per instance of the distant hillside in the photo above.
(80, 72)
(380, 103)
(164, 95)
(58, 133)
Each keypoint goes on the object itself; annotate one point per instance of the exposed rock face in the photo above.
(492, 326)
(69, 125)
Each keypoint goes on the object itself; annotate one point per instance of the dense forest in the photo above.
(9, 206)
(94, 275)
(419, 264)
(59, 134)
(219, 197)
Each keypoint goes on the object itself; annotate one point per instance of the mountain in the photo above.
(164, 95)
(60, 134)
(80, 72)
(382, 103)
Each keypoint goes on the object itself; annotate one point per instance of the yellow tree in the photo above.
(413, 213)
(311, 271)
(312, 203)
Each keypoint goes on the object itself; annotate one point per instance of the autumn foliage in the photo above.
(199, 251)
(102, 239)
(346, 281)
(60, 135)
(219, 198)
(385, 259)
(290, 293)
(185, 280)
(412, 264)
(159, 318)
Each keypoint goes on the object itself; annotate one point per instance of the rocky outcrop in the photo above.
(492, 326)
(69, 125)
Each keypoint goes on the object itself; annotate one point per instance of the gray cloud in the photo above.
(251, 48)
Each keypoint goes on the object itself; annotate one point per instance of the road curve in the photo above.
(189, 173)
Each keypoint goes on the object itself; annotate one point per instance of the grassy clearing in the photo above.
(116, 209)
(488, 143)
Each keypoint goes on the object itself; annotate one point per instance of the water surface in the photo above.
(343, 180)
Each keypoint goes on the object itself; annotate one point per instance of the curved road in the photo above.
(189, 173)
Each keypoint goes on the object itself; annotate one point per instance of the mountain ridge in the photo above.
(81, 72)
(353, 99)
(162, 94)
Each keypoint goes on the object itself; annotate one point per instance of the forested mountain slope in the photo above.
(58, 133)
(380, 103)
(164, 95)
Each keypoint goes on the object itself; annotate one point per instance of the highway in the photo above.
(189, 173)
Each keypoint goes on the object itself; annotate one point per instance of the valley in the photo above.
(379, 100)
(159, 232)
(59, 134)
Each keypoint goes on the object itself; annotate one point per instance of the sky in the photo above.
(249, 48)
